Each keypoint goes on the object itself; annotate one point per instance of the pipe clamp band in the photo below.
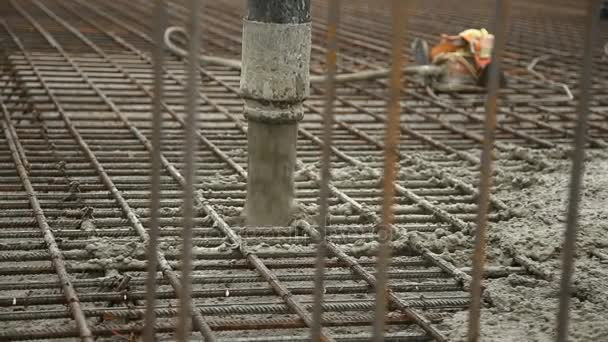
(273, 113)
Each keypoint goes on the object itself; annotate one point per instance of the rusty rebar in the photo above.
(417, 317)
(485, 184)
(190, 146)
(160, 22)
(390, 160)
(578, 169)
(333, 13)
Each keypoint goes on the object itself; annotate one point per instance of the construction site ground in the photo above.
(76, 91)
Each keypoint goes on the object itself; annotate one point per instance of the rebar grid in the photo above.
(54, 251)
(391, 141)
(109, 68)
(183, 181)
(201, 326)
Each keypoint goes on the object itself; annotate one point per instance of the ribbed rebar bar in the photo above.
(578, 169)
(261, 308)
(328, 118)
(190, 145)
(160, 23)
(485, 184)
(390, 160)
(260, 324)
(240, 279)
(220, 292)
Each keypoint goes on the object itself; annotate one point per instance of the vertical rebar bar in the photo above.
(485, 184)
(160, 23)
(190, 141)
(390, 168)
(333, 12)
(578, 159)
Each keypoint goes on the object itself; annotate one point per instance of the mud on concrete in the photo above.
(524, 308)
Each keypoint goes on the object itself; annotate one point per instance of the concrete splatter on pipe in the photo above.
(275, 81)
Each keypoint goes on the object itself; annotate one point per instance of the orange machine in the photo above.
(472, 48)
(463, 59)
